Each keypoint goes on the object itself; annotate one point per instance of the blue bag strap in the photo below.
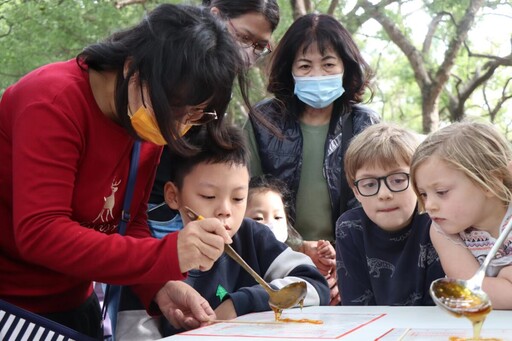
(125, 214)
(113, 292)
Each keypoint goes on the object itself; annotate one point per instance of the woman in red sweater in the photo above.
(66, 134)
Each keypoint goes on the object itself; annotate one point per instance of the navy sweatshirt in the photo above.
(376, 267)
(273, 260)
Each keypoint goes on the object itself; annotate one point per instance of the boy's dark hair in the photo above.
(209, 152)
(183, 55)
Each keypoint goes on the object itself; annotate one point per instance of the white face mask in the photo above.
(279, 230)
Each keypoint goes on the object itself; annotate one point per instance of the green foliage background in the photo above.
(37, 32)
(34, 33)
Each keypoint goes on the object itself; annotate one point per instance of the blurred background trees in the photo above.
(436, 61)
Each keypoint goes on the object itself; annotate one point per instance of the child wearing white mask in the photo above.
(267, 204)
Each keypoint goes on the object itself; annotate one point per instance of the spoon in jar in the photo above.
(284, 298)
(466, 297)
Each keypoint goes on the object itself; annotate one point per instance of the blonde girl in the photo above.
(460, 174)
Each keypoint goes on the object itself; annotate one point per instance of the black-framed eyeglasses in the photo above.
(396, 182)
(245, 41)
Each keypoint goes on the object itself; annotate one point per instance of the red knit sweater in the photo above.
(63, 174)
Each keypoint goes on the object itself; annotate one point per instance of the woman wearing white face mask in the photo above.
(317, 77)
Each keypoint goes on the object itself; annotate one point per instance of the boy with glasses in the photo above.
(383, 250)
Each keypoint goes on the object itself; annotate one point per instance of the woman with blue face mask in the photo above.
(318, 78)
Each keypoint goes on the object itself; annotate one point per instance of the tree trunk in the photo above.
(298, 8)
(332, 7)
(429, 110)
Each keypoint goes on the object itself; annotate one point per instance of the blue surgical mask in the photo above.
(319, 92)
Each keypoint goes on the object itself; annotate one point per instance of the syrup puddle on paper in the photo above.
(289, 320)
(278, 312)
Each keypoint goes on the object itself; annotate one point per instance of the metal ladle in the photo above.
(466, 297)
(284, 298)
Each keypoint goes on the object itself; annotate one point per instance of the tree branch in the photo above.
(353, 20)
(464, 91)
(413, 55)
(298, 8)
(123, 3)
(432, 28)
(493, 112)
(505, 61)
(332, 7)
(443, 73)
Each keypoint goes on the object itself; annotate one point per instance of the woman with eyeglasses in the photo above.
(318, 78)
(66, 135)
(251, 23)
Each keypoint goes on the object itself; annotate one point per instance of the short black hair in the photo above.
(209, 152)
(268, 182)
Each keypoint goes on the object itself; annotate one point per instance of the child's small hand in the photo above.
(332, 281)
(325, 249)
(309, 248)
(326, 256)
(324, 265)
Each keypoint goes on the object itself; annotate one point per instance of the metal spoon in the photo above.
(284, 298)
(466, 297)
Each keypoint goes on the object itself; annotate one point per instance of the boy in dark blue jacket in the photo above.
(215, 183)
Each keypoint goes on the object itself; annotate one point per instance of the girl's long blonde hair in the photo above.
(476, 149)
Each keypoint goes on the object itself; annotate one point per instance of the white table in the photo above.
(396, 323)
